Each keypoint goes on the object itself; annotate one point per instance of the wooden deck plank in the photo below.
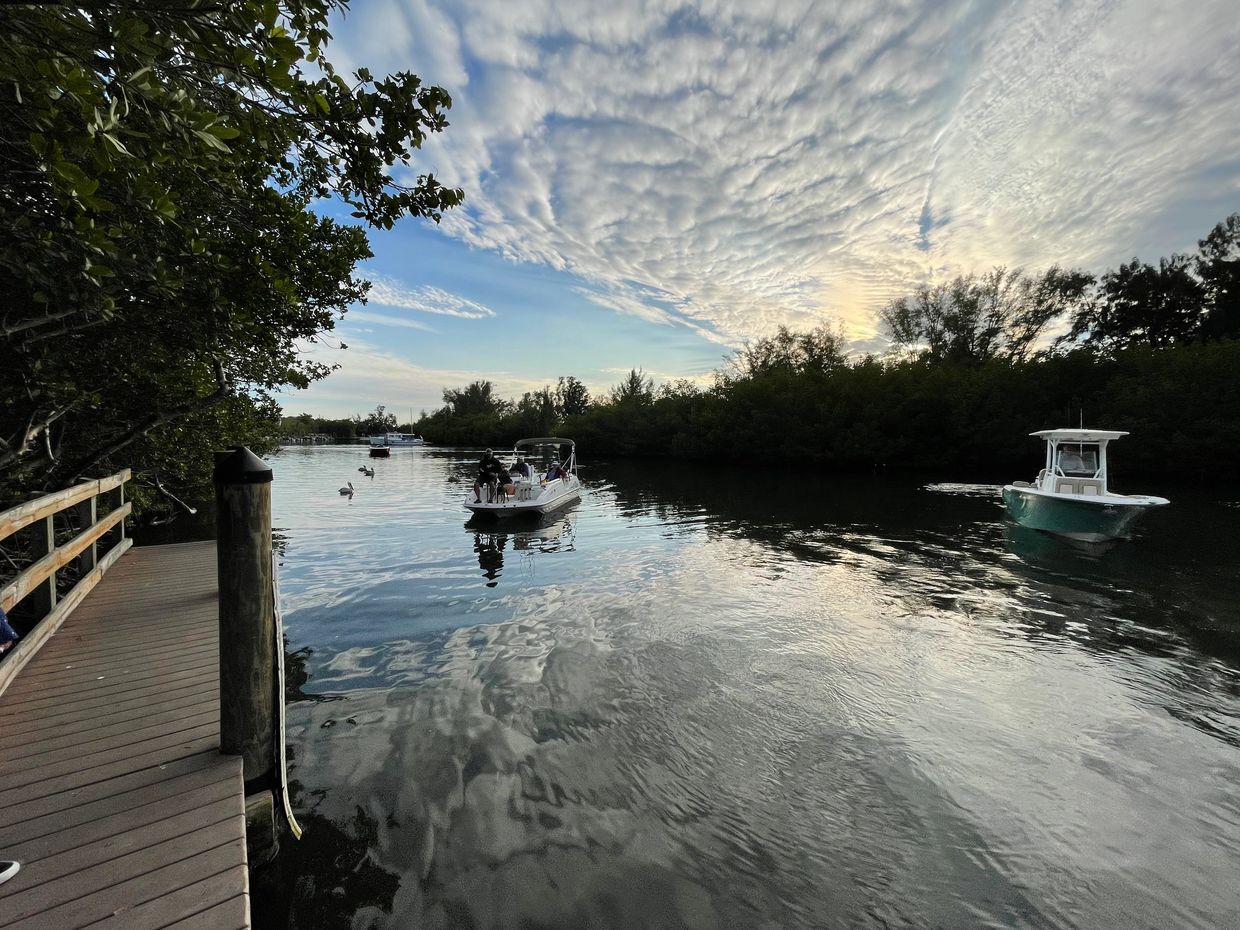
(78, 655)
(177, 788)
(156, 874)
(144, 779)
(231, 914)
(113, 794)
(111, 857)
(78, 711)
(183, 908)
(85, 735)
(127, 667)
(105, 687)
(87, 753)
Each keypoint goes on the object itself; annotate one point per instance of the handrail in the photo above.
(38, 580)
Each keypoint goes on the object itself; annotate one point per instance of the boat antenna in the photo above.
(1082, 411)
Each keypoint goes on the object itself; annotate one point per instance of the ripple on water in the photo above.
(670, 710)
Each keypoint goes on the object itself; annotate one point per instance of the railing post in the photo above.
(42, 541)
(87, 514)
(120, 502)
(247, 635)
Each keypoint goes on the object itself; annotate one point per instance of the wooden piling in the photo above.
(247, 610)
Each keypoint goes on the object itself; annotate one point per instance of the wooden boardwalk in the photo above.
(113, 794)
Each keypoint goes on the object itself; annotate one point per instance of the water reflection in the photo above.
(542, 533)
(842, 702)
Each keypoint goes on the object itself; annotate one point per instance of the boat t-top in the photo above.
(1070, 497)
(551, 482)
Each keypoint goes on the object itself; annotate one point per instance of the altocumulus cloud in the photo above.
(388, 292)
(737, 165)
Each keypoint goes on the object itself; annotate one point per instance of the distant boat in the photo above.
(1070, 497)
(397, 440)
(537, 494)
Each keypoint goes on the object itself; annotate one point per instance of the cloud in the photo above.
(383, 319)
(370, 375)
(389, 292)
(740, 165)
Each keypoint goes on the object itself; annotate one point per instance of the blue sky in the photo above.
(648, 184)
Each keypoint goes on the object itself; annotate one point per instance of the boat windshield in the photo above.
(1077, 459)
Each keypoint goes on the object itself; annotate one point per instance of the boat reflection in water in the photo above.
(1051, 551)
(553, 532)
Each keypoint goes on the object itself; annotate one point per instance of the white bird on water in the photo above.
(348, 492)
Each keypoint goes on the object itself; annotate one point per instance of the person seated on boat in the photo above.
(489, 468)
(504, 480)
(555, 471)
(521, 468)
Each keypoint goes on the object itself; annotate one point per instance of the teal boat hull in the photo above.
(1089, 521)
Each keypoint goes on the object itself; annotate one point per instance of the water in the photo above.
(714, 697)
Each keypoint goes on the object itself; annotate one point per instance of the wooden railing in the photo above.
(36, 585)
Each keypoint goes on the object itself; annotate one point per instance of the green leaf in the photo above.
(116, 144)
(212, 141)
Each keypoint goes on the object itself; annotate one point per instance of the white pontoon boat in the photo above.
(552, 482)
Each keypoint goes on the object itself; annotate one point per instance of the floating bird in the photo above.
(348, 492)
(368, 472)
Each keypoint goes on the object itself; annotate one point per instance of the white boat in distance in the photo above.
(1070, 497)
(539, 493)
(397, 440)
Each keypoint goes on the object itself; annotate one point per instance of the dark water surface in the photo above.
(719, 698)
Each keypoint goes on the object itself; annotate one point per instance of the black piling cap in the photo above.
(240, 466)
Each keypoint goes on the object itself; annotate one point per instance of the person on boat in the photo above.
(521, 468)
(556, 471)
(1070, 461)
(489, 468)
(504, 481)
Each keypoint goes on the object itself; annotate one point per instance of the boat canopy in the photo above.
(545, 441)
(1078, 435)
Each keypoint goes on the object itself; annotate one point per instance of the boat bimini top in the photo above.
(568, 462)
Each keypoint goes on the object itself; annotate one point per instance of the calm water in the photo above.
(712, 698)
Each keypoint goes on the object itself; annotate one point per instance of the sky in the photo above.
(649, 184)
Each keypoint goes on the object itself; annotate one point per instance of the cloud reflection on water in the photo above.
(864, 705)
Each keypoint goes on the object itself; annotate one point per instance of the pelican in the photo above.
(348, 492)
(368, 472)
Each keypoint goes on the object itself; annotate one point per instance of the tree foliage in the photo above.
(1218, 268)
(818, 351)
(1142, 304)
(636, 390)
(974, 318)
(476, 398)
(158, 250)
(571, 397)
(376, 423)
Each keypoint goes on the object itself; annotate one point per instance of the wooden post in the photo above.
(247, 610)
(42, 541)
(87, 514)
(120, 502)
(247, 639)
